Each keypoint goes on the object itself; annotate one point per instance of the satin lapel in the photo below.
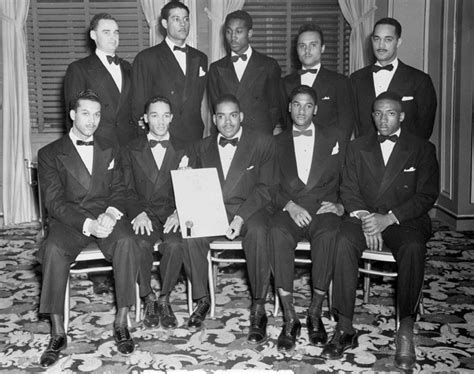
(211, 158)
(399, 79)
(251, 74)
(372, 156)
(192, 73)
(73, 163)
(321, 152)
(287, 160)
(293, 81)
(100, 165)
(367, 87)
(169, 163)
(144, 157)
(101, 76)
(227, 73)
(168, 63)
(126, 85)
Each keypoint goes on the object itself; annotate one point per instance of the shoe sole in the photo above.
(257, 343)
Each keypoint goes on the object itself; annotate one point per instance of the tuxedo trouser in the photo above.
(171, 261)
(254, 244)
(284, 235)
(407, 245)
(63, 245)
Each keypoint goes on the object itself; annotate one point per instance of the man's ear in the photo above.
(93, 35)
(250, 33)
(399, 42)
(72, 114)
(214, 119)
(315, 110)
(145, 117)
(164, 23)
(241, 114)
(402, 116)
(323, 48)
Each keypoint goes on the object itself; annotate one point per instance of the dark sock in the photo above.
(316, 306)
(165, 299)
(406, 325)
(345, 324)
(150, 297)
(204, 299)
(289, 312)
(258, 306)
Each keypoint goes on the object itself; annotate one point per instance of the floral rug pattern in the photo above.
(444, 334)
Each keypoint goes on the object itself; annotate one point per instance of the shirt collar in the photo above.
(248, 52)
(74, 138)
(150, 136)
(238, 135)
(103, 56)
(317, 66)
(310, 127)
(394, 63)
(171, 44)
(397, 133)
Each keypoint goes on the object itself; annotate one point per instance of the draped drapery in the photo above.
(18, 199)
(360, 15)
(217, 13)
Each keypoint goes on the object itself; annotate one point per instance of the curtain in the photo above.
(360, 15)
(18, 198)
(219, 10)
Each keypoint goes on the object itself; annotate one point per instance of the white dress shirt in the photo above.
(158, 151)
(240, 65)
(309, 78)
(304, 148)
(179, 55)
(226, 154)
(383, 78)
(387, 147)
(114, 70)
(85, 151)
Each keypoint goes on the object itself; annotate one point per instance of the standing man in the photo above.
(252, 77)
(390, 182)
(391, 74)
(174, 70)
(245, 163)
(335, 104)
(310, 158)
(84, 196)
(109, 77)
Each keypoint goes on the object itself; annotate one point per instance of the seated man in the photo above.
(245, 162)
(310, 157)
(147, 162)
(81, 180)
(390, 182)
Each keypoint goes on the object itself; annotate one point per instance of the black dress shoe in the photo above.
(199, 314)
(124, 340)
(258, 328)
(340, 342)
(287, 339)
(316, 331)
(405, 356)
(51, 354)
(152, 317)
(167, 317)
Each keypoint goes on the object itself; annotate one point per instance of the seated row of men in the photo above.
(305, 183)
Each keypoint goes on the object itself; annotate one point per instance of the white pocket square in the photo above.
(250, 167)
(335, 150)
(202, 73)
(111, 165)
(407, 98)
(326, 98)
(409, 170)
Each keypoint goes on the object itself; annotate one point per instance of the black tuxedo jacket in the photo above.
(116, 116)
(325, 174)
(70, 193)
(258, 91)
(416, 89)
(149, 189)
(335, 102)
(251, 175)
(408, 185)
(157, 72)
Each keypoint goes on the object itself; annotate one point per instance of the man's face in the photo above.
(159, 118)
(227, 119)
(387, 115)
(385, 43)
(177, 25)
(309, 48)
(85, 119)
(106, 36)
(302, 110)
(237, 35)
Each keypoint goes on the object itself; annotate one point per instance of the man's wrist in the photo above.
(393, 218)
(239, 219)
(85, 227)
(288, 205)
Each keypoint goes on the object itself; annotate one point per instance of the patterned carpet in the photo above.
(444, 336)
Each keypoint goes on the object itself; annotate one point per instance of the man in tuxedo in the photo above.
(81, 180)
(245, 162)
(335, 104)
(147, 161)
(252, 77)
(109, 77)
(310, 157)
(390, 182)
(391, 74)
(174, 70)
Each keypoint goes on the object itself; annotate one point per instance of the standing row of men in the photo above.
(276, 190)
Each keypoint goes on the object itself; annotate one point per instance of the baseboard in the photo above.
(457, 223)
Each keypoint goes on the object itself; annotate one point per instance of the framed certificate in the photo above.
(199, 202)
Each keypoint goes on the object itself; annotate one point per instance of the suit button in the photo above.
(172, 92)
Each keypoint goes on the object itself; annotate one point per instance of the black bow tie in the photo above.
(307, 132)
(304, 71)
(382, 138)
(115, 59)
(181, 49)
(82, 142)
(376, 68)
(224, 141)
(164, 143)
(236, 58)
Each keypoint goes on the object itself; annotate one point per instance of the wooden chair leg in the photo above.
(331, 316)
(66, 306)
(190, 296)
(138, 304)
(212, 277)
(277, 304)
(367, 266)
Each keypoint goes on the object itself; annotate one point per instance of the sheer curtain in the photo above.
(18, 199)
(219, 10)
(360, 15)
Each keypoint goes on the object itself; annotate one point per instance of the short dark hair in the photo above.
(96, 19)
(226, 98)
(157, 99)
(389, 95)
(85, 95)
(303, 89)
(390, 21)
(165, 11)
(310, 27)
(240, 14)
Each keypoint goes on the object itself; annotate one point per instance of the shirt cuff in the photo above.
(394, 216)
(117, 214)
(356, 213)
(85, 227)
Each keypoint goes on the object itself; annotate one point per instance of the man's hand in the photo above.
(298, 214)
(374, 242)
(98, 230)
(376, 223)
(107, 220)
(172, 223)
(234, 228)
(328, 207)
(142, 224)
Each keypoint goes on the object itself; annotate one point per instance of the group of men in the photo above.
(109, 181)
